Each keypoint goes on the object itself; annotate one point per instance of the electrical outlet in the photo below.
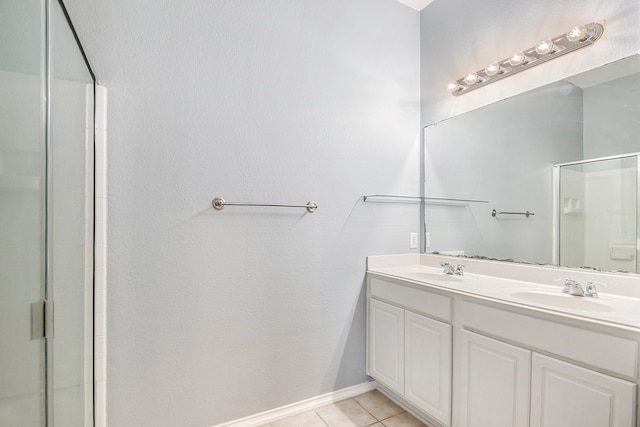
(427, 240)
(413, 240)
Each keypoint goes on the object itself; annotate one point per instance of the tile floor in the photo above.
(370, 409)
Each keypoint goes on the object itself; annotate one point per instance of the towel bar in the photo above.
(494, 213)
(219, 203)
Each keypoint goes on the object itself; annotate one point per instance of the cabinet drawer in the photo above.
(614, 354)
(417, 300)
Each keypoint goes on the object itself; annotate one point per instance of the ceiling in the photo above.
(416, 4)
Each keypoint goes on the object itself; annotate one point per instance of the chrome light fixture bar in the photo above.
(545, 50)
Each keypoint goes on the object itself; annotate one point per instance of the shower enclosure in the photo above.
(598, 213)
(46, 218)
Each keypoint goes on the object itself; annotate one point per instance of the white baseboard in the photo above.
(300, 407)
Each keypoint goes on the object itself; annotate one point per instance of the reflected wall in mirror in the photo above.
(506, 153)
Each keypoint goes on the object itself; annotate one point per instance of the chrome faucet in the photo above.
(572, 287)
(448, 268)
(458, 270)
(591, 290)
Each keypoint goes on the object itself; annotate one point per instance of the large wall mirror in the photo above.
(549, 176)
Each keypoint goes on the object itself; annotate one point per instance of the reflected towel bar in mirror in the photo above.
(390, 198)
(494, 213)
(219, 203)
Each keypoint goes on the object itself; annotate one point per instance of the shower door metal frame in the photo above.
(48, 291)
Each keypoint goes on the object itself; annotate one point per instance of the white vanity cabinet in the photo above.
(386, 344)
(428, 365)
(493, 383)
(502, 385)
(563, 394)
(463, 360)
(512, 384)
(410, 353)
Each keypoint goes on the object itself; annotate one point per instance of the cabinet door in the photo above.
(386, 344)
(494, 383)
(428, 366)
(566, 395)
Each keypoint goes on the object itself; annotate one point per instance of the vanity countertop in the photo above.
(540, 291)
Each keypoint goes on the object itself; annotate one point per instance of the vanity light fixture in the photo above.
(546, 50)
(493, 69)
(577, 33)
(518, 58)
(546, 46)
(471, 78)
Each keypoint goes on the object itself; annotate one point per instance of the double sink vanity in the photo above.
(501, 344)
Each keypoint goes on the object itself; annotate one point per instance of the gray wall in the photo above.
(212, 315)
(611, 123)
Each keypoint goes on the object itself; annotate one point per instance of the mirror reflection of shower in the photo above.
(597, 211)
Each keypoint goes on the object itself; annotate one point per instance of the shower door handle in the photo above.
(41, 320)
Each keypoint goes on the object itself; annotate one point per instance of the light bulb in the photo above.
(577, 34)
(544, 47)
(471, 78)
(517, 59)
(493, 69)
(453, 86)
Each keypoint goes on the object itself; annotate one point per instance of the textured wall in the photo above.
(219, 315)
(611, 123)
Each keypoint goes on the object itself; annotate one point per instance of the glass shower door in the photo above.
(22, 211)
(46, 219)
(70, 225)
(598, 213)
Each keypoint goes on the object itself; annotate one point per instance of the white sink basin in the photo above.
(560, 300)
